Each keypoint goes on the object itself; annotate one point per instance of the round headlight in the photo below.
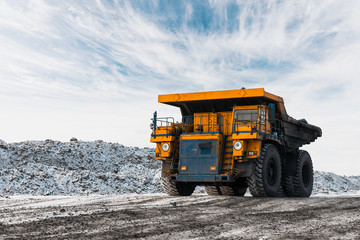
(237, 146)
(165, 147)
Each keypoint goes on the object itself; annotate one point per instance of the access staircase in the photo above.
(227, 163)
(174, 169)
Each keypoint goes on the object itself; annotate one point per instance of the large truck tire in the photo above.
(174, 188)
(265, 179)
(169, 187)
(234, 190)
(213, 190)
(301, 183)
(177, 188)
(185, 189)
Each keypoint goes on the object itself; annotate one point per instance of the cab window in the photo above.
(246, 115)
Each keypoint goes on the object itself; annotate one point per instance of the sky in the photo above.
(93, 69)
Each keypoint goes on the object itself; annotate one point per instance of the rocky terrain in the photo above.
(96, 190)
(76, 168)
(82, 168)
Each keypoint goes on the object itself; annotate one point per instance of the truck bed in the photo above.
(298, 132)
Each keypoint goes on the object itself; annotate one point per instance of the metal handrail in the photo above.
(166, 123)
(256, 124)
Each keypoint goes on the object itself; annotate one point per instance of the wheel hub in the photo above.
(271, 172)
(305, 175)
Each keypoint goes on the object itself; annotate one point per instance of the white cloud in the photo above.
(102, 65)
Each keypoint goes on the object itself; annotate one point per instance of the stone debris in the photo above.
(81, 168)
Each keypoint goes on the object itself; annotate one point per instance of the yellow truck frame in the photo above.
(232, 140)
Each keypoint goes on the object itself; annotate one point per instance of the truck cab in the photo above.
(220, 141)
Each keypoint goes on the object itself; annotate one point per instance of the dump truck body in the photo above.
(222, 138)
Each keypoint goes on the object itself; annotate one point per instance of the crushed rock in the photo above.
(81, 168)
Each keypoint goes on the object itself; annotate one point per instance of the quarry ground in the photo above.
(158, 216)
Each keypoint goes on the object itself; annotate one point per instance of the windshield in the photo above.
(246, 115)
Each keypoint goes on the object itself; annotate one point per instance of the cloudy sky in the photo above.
(93, 69)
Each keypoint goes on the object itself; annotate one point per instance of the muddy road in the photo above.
(159, 216)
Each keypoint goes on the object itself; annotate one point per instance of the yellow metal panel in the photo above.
(242, 150)
(199, 136)
(227, 121)
(161, 154)
(208, 122)
(249, 145)
(162, 139)
(227, 94)
(254, 146)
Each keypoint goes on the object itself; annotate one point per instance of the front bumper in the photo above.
(223, 178)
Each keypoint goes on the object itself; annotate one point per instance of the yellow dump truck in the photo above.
(229, 141)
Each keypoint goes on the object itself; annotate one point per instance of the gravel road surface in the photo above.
(158, 216)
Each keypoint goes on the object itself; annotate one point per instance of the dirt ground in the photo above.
(158, 216)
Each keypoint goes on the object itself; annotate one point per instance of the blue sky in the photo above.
(93, 69)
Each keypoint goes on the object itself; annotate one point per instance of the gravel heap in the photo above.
(80, 168)
(75, 167)
(327, 182)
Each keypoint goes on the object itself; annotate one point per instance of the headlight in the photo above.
(165, 147)
(237, 146)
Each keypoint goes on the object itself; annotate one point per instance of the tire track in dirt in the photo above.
(199, 216)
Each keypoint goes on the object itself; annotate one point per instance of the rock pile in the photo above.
(79, 168)
(67, 168)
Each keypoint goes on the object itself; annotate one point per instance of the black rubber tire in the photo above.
(177, 188)
(185, 189)
(301, 183)
(213, 190)
(169, 187)
(235, 190)
(265, 180)
(239, 190)
(174, 188)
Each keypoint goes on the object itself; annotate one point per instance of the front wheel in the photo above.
(265, 179)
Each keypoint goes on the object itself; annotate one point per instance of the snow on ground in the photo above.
(81, 168)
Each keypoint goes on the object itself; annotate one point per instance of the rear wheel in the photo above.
(300, 184)
(266, 176)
